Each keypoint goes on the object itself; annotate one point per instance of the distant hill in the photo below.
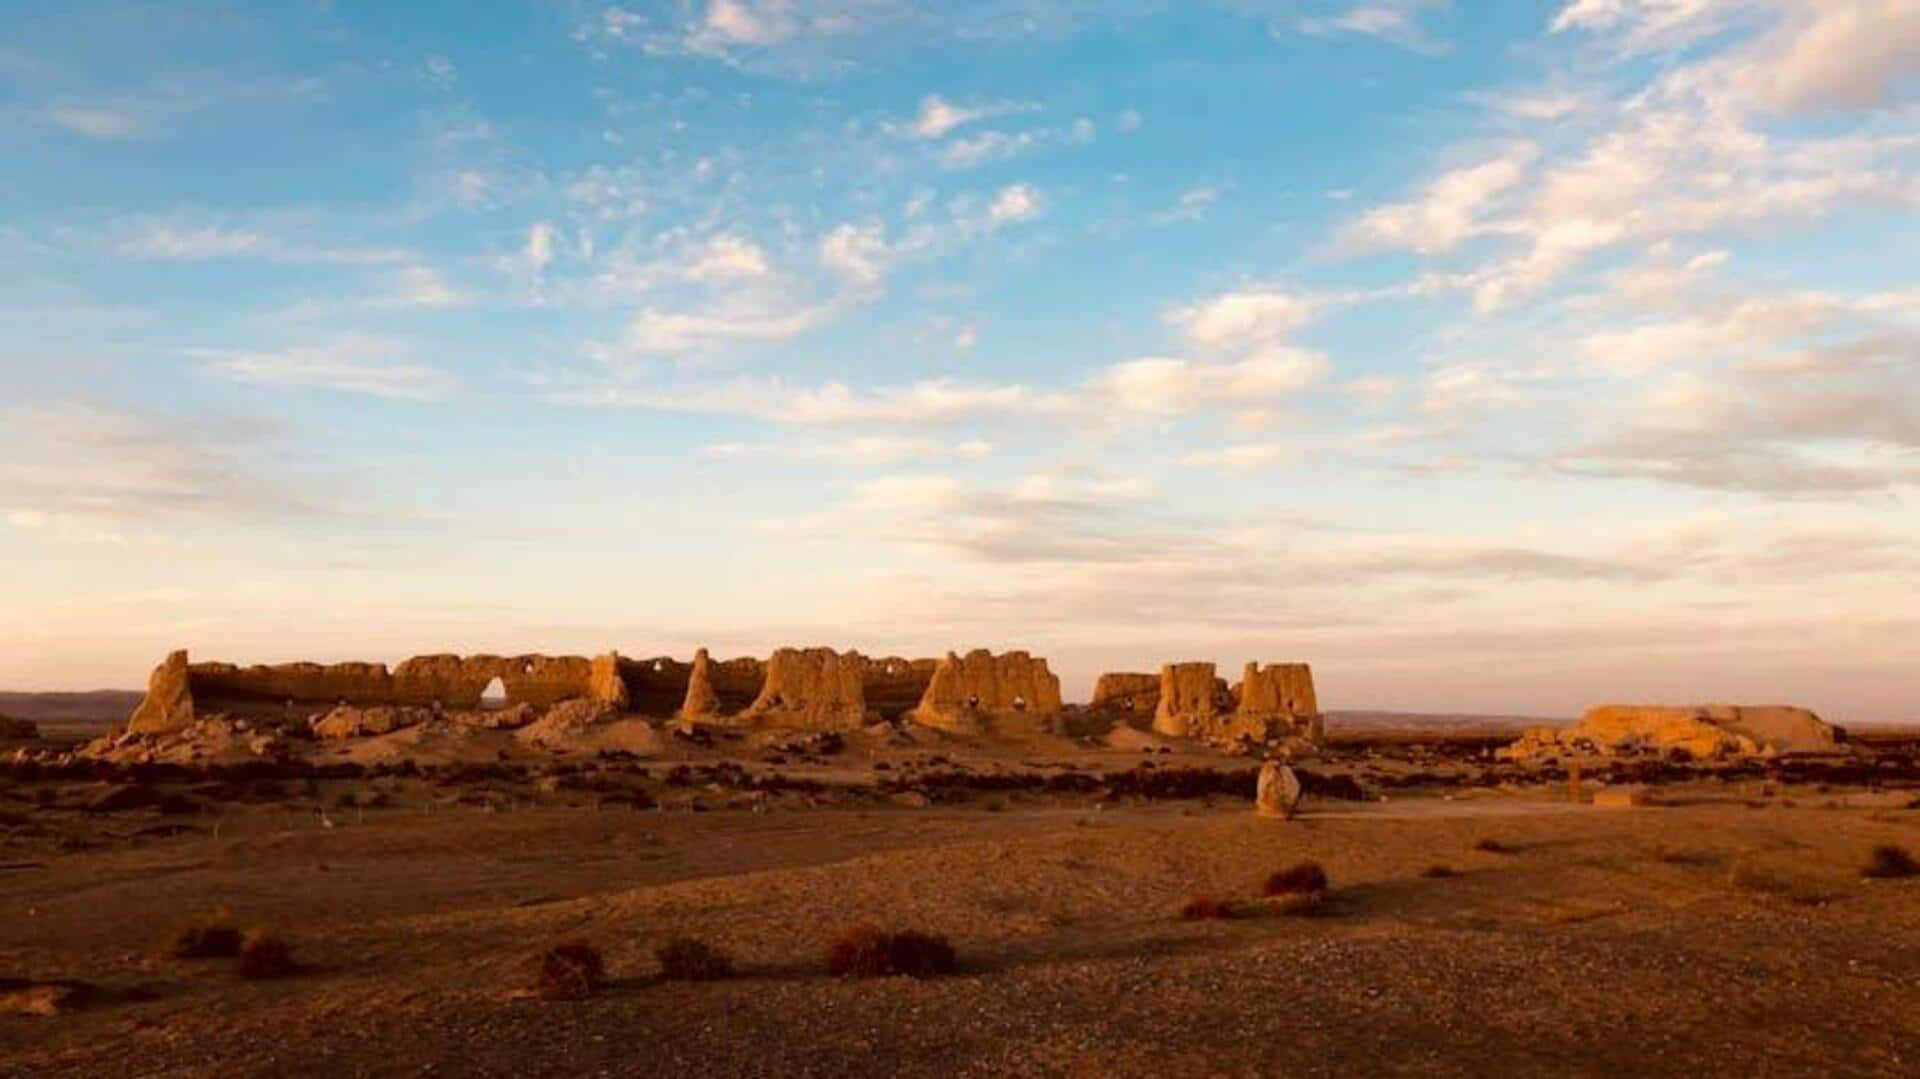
(1433, 724)
(71, 715)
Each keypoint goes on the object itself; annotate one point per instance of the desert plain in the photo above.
(1642, 915)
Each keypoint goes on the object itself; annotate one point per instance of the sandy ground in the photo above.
(1609, 941)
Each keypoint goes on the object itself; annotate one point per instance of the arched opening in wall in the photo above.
(495, 695)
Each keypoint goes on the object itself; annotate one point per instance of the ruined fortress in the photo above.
(810, 689)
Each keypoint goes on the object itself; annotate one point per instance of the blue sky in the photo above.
(1501, 356)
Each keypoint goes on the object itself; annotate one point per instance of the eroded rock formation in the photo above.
(169, 702)
(815, 689)
(1192, 700)
(806, 689)
(981, 692)
(701, 700)
(1703, 732)
(1127, 694)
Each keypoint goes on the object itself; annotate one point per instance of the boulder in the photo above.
(811, 689)
(1277, 793)
(168, 705)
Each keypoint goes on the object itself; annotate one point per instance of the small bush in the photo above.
(866, 951)
(1438, 872)
(212, 939)
(1307, 878)
(265, 955)
(686, 959)
(1204, 908)
(571, 971)
(1751, 877)
(1492, 846)
(1888, 862)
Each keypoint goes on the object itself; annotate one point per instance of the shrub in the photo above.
(571, 971)
(265, 954)
(1493, 846)
(1438, 872)
(1888, 862)
(211, 939)
(1749, 876)
(689, 960)
(867, 951)
(1203, 908)
(1307, 878)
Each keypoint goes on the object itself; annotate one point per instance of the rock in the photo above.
(1127, 694)
(587, 726)
(1277, 701)
(1191, 700)
(169, 702)
(1278, 792)
(811, 689)
(982, 690)
(1703, 732)
(604, 683)
(910, 799)
(702, 702)
(19, 996)
(347, 721)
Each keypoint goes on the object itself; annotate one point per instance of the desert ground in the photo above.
(1479, 920)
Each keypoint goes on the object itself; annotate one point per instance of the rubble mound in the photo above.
(204, 741)
(588, 726)
(1703, 732)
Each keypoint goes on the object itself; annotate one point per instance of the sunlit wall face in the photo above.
(1491, 359)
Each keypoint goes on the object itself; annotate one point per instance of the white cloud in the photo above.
(1244, 317)
(1449, 211)
(937, 400)
(349, 364)
(1018, 202)
(857, 254)
(727, 258)
(1463, 389)
(939, 117)
(1395, 21)
(537, 252)
(1244, 455)
(1159, 385)
(164, 240)
(96, 123)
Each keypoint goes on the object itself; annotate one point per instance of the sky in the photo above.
(1505, 355)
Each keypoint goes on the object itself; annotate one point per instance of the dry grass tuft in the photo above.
(687, 959)
(1749, 876)
(264, 954)
(214, 938)
(866, 951)
(1889, 862)
(1493, 846)
(571, 971)
(1307, 878)
(1204, 908)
